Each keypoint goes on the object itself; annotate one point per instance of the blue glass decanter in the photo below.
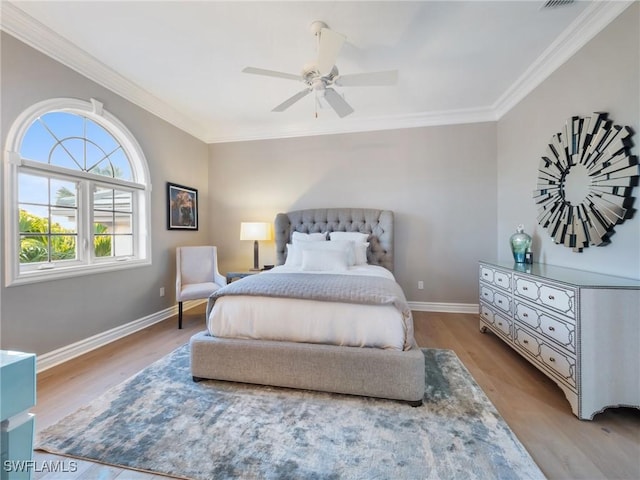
(520, 243)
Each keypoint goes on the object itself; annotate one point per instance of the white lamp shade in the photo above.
(255, 231)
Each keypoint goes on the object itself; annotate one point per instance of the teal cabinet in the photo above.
(17, 396)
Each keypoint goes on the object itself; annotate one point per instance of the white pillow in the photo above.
(354, 236)
(294, 253)
(360, 244)
(294, 256)
(324, 260)
(361, 253)
(340, 246)
(308, 237)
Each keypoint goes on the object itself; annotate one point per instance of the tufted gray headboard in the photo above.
(377, 223)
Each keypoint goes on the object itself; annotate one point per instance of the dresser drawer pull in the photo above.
(525, 288)
(485, 294)
(500, 280)
(485, 314)
(551, 359)
(486, 274)
(525, 315)
(500, 302)
(500, 323)
(525, 341)
(551, 297)
(551, 329)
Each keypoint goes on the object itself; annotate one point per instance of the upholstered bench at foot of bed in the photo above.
(371, 372)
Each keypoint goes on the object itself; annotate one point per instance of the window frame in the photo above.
(86, 263)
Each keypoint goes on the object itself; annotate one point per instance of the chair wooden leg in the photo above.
(179, 315)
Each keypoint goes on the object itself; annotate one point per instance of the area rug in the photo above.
(162, 422)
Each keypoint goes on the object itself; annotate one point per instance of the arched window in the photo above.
(76, 193)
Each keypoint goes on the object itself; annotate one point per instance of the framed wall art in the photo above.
(182, 207)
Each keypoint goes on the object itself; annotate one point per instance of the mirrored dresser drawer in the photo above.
(582, 329)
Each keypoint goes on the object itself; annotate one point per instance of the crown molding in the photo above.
(588, 24)
(595, 17)
(25, 28)
(355, 125)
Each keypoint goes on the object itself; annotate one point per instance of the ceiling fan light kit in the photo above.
(316, 26)
(321, 75)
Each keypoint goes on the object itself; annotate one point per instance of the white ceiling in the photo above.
(458, 61)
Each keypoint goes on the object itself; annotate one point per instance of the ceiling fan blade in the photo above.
(290, 101)
(338, 103)
(271, 73)
(328, 49)
(372, 79)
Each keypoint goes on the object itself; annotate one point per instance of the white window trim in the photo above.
(93, 110)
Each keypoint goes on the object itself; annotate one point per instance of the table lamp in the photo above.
(255, 231)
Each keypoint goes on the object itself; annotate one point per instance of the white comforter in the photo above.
(310, 321)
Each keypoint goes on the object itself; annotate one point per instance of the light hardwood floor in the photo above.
(534, 407)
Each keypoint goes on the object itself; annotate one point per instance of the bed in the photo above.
(341, 342)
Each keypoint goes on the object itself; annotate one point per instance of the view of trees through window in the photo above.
(49, 205)
(78, 193)
(37, 238)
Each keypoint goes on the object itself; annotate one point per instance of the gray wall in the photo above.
(45, 316)
(604, 76)
(458, 191)
(439, 181)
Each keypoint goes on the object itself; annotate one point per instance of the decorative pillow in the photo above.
(324, 260)
(340, 246)
(353, 236)
(308, 237)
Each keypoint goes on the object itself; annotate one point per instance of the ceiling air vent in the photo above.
(557, 3)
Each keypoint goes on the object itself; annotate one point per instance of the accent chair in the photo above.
(197, 274)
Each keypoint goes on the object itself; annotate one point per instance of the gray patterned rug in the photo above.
(160, 421)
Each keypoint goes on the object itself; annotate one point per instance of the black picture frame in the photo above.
(182, 207)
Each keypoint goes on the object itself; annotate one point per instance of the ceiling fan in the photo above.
(321, 75)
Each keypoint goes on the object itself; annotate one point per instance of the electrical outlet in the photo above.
(420, 285)
(162, 291)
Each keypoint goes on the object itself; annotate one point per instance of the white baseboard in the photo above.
(444, 307)
(56, 357)
(61, 355)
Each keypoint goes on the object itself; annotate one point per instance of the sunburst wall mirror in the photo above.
(585, 181)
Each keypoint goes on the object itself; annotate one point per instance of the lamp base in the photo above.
(255, 257)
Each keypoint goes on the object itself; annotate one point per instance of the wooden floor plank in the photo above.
(533, 406)
(536, 409)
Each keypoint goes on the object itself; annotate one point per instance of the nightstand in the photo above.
(231, 276)
(17, 396)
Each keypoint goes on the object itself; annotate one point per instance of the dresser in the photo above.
(581, 329)
(17, 396)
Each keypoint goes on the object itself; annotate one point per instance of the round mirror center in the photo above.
(575, 185)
